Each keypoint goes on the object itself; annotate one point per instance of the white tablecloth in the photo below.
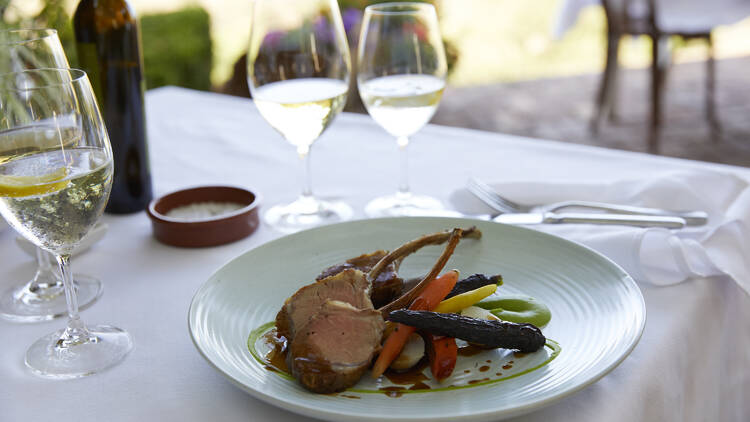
(691, 363)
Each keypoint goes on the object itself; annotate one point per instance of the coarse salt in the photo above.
(203, 210)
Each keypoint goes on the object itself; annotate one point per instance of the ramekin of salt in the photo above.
(203, 210)
(204, 216)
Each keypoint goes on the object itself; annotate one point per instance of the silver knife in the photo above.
(591, 218)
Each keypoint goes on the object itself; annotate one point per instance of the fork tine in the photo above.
(485, 193)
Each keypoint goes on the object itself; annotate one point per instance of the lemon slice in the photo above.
(20, 186)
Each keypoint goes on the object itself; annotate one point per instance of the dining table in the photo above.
(692, 361)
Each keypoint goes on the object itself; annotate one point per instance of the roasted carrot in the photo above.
(427, 300)
(435, 292)
(391, 349)
(442, 353)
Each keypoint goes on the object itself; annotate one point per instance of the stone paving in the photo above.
(560, 109)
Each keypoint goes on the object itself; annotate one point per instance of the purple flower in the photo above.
(272, 39)
(351, 18)
(322, 29)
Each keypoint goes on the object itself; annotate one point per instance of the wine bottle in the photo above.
(109, 50)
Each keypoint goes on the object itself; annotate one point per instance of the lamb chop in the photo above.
(331, 326)
(385, 287)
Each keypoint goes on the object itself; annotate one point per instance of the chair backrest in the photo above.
(620, 13)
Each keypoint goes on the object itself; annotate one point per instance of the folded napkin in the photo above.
(653, 255)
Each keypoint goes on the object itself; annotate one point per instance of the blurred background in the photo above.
(535, 68)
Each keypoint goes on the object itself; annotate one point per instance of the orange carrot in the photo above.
(391, 349)
(436, 291)
(442, 353)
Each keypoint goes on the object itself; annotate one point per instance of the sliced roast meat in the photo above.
(385, 287)
(348, 286)
(332, 351)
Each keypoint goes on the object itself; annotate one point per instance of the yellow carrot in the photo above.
(464, 300)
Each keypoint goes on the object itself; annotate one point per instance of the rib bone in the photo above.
(410, 247)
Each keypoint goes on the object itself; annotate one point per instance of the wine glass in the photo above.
(55, 179)
(401, 73)
(298, 74)
(43, 297)
(22, 49)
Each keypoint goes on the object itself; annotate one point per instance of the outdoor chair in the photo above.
(660, 20)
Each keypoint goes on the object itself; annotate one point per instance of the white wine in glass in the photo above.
(43, 297)
(55, 179)
(298, 74)
(401, 73)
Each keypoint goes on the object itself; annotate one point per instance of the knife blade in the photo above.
(591, 218)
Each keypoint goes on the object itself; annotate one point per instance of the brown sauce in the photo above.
(467, 371)
(276, 358)
(393, 392)
(499, 374)
(484, 368)
(507, 366)
(419, 386)
(412, 376)
(478, 381)
(349, 397)
(519, 354)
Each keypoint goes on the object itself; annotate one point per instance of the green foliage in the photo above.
(177, 49)
(52, 16)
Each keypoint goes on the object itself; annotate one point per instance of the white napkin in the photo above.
(653, 255)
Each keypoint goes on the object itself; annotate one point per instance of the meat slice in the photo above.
(331, 352)
(349, 286)
(385, 287)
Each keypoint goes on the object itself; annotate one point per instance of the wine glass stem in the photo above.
(44, 277)
(403, 185)
(75, 332)
(304, 155)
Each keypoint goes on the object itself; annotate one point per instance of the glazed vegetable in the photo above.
(518, 308)
(478, 313)
(474, 282)
(508, 335)
(411, 354)
(430, 297)
(469, 283)
(435, 292)
(442, 353)
(464, 300)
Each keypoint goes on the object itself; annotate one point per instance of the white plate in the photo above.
(598, 316)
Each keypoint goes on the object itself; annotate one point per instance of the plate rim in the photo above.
(626, 278)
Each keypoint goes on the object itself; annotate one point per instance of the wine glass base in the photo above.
(108, 347)
(401, 205)
(306, 213)
(18, 304)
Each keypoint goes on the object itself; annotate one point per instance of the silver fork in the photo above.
(490, 197)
